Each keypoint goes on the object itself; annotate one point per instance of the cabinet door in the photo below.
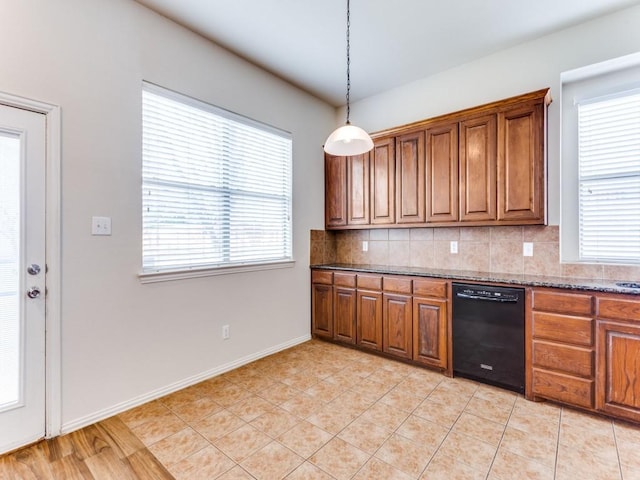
(369, 323)
(335, 191)
(344, 314)
(521, 164)
(442, 173)
(383, 181)
(397, 325)
(322, 310)
(618, 367)
(430, 332)
(410, 178)
(478, 168)
(358, 189)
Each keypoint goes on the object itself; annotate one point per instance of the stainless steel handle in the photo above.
(33, 292)
(487, 299)
(33, 269)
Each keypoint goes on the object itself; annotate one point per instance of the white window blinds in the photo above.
(609, 178)
(216, 186)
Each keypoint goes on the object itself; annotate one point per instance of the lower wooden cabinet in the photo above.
(344, 314)
(369, 320)
(430, 332)
(397, 322)
(322, 310)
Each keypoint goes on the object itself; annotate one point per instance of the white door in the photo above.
(22, 277)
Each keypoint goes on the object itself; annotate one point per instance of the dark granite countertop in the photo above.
(608, 286)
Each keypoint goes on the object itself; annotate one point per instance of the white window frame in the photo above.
(594, 81)
(150, 274)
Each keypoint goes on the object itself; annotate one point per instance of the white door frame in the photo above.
(53, 390)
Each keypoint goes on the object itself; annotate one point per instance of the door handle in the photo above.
(33, 292)
(33, 269)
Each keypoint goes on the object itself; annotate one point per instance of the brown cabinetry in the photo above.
(430, 323)
(562, 347)
(344, 307)
(397, 317)
(322, 303)
(618, 332)
(480, 166)
(369, 312)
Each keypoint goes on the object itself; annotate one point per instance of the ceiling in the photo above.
(392, 43)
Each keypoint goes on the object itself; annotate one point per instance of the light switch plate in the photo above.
(454, 246)
(527, 249)
(365, 246)
(100, 225)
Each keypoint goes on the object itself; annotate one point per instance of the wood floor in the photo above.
(106, 450)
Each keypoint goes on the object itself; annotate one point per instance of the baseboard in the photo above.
(187, 382)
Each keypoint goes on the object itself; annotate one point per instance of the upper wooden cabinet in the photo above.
(481, 166)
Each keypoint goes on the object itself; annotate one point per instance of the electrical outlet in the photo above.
(365, 246)
(225, 332)
(527, 249)
(100, 225)
(454, 246)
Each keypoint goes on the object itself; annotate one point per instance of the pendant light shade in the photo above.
(348, 139)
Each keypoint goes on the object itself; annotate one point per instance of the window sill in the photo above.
(170, 275)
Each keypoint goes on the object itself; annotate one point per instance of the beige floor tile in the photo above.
(539, 448)
(423, 431)
(585, 421)
(275, 422)
(460, 385)
(236, 473)
(178, 446)
(541, 427)
(377, 469)
(332, 419)
(278, 393)
(597, 442)
(144, 413)
(479, 428)
(402, 399)
(308, 471)
(218, 425)
(384, 416)
(325, 391)
(272, 462)
(257, 384)
(302, 405)
(194, 410)
(181, 397)
(443, 414)
(204, 464)
(405, 455)
(372, 388)
(242, 442)
(573, 463)
(345, 379)
(339, 459)
(158, 428)
(251, 408)
(489, 410)
(229, 394)
(364, 435)
(420, 386)
(321, 370)
(445, 467)
(630, 472)
(497, 396)
(305, 439)
(354, 401)
(509, 466)
(547, 411)
(301, 381)
(449, 396)
(468, 450)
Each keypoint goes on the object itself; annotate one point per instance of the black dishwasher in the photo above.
(488, 334)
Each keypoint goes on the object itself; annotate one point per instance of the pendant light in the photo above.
(348, 139)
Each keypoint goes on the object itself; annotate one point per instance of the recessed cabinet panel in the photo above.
(383, 182)
(397, 329)
(442, 173)
(520, 163)
(322, 310)
(335, 191)
(358, 189)
(430, 332)
(478, 169)
(369, 313)
(410, 178)
(344, 314)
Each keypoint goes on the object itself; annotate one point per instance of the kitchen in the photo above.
(90, 58)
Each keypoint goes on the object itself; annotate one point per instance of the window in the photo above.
(609, 177)
(216, 187)
(600, 163)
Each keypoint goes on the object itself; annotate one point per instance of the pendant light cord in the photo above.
(348, 61)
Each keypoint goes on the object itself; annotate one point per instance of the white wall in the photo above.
(120, 339)
(530, 66)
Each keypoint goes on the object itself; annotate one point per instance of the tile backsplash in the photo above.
(484, 249)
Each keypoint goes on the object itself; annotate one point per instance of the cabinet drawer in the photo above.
(318, 276)
(370, 282)
(344, 279)
(618, 309)
(563, 328)
(565, 358)
(569, 303)
(397, 285)
(430, 288)
(564, 388)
